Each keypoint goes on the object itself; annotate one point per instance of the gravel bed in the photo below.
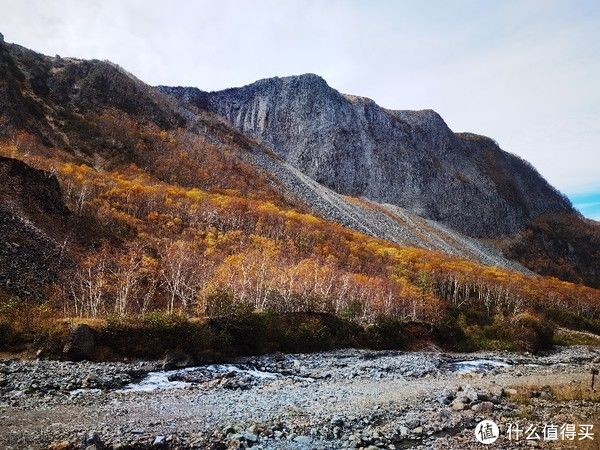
(331, 400)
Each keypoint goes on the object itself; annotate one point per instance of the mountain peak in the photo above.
(307, 83)
(425, 118)
(405, 158)
(305, 78)
(311, 78)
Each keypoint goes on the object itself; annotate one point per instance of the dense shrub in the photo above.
(471, 331)
(249, 333)
(155, 334)
(9, 336)
(23, 324)
(573, 321)
(305, 332)
(532, 333)
(387, 334)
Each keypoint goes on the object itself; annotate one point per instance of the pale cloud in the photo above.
(525, 72)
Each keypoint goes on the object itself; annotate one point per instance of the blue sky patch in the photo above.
(588, 203)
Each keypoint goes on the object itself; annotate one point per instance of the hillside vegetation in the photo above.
(198, 253)
(561, 245)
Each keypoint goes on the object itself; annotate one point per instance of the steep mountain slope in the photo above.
(37, 229)
(409, 159)
(96, 113)
(385, 221)
(53, 98)
(561, 245)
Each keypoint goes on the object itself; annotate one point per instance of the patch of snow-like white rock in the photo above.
(383, 221)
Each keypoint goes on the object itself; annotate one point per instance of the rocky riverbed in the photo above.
(340, 399)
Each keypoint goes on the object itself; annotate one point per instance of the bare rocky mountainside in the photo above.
(37, 229)
(30, 205)
(409, 159)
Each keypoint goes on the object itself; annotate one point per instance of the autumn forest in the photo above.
(210, 251)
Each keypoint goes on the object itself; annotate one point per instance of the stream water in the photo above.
(182, 378)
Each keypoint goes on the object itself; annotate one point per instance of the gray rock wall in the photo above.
(406, 158)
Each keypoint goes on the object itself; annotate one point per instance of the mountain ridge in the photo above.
(406, 158)
(161, 210)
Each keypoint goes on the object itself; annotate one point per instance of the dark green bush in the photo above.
(386, 334)
(157, 333)
(244, 332)
(573, 321)
(220, 303)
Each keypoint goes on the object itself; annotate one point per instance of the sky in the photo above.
(526, 73)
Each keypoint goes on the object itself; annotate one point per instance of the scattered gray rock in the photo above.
(174, 360)
(467, 394)
(91, 441)
(483, 407)
(286, 404)
(159, 442)
(249, 436)
(457, 405)
(446, 396)
(303, 440)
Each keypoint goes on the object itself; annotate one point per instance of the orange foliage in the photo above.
(195, 243)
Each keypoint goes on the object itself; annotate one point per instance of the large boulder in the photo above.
(81, 344)
(91, 441)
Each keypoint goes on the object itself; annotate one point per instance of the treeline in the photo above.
(200, 253)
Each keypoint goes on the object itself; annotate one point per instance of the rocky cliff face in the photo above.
(406, 158)
(62, 101)
(34, 225)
